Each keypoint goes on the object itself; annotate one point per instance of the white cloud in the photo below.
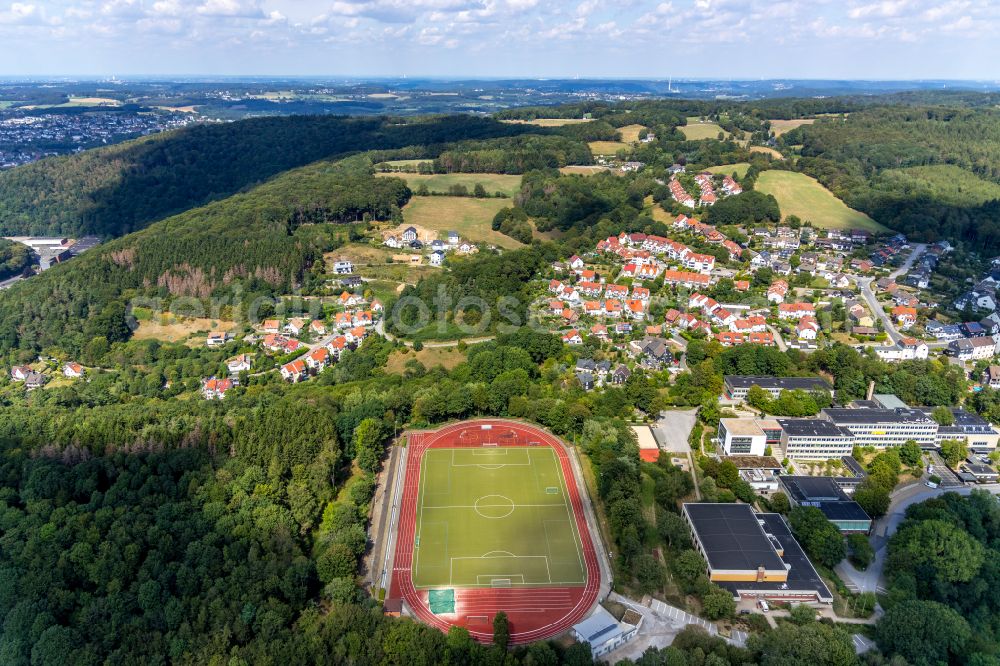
(885, 8)
(20, 12)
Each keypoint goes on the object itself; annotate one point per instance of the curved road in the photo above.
(873, 579)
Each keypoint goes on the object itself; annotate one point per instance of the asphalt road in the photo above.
(866, 291)
(873, 579)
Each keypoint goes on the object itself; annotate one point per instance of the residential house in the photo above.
(295, 326)
(807, 328)
(991, 377)
(270, 326)
(318, 359)
(620, 375)
(904, 316)
(972, 349)
(294, 371)
(859, 315)
(19, 373)
(317, 327)
(409, 235)
(796, 310)
(216, 339)
(72, 369)
(215, 389)
(906, 349)
(238, 364)
(343, 267)
(576, 263)
(453, 238)
(436, 258)
(337, 346)
(349, 300)
(776, 292)
(572, 338)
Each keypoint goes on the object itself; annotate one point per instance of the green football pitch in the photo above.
(495, 517)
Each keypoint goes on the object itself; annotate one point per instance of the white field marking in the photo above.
(499, 553)
(473, 506)
(498, 452)
(493, 577)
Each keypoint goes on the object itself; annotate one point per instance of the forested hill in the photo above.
(119, 189)
(253, 243)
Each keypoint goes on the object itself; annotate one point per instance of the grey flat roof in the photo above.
(802, 575)
(732, 538)
(843, 510)
(812, 488)
(742, 427)
(784, 383)
(844, 415)
(600, 627)
(812, 428)
(889, 401)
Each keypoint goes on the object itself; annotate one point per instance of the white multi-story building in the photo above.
(742, 437)
(884, 428)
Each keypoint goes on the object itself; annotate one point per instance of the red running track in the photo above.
(534, 613)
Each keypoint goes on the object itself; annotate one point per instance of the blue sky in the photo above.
(907, 39)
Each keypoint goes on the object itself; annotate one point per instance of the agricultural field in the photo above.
(767, 151)
(608, 147)
(407, 164)
(471, 218)
(697, 130)
(740, 169)
(630, 133)
(170, 328)
(447, 357)
(779, 127)
(583, 169)
(943, 182)
(494, 516)
(493, 182)
(800, 195)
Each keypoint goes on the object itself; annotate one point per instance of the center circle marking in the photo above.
(494, 506)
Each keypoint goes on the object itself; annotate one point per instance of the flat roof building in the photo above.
(823, 493)
(737, 386)
(742, 437)
(974, 430)
(603, 632)
(814, 439)
(883, 428)
(753, 555)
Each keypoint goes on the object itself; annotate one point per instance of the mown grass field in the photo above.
(583, 169)
(495, 516)
(767, 151)
(447, 357)
(697, 130)
(168, 328)
(740, 169)
(471, 218)
(944, 182)
(800, 195)
(630, 133)
(607, 147)
(407, 163)
(440, 182)
(779, 127)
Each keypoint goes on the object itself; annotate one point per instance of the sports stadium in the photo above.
(491, 519)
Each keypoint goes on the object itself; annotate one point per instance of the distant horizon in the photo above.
(877, 40)
(512, 77)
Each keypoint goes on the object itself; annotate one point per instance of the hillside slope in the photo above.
(120, 189)
(252, 244)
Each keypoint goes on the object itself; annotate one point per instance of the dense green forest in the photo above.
(869, 161)
(251, 244)
(14, 258)
(119, 189)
